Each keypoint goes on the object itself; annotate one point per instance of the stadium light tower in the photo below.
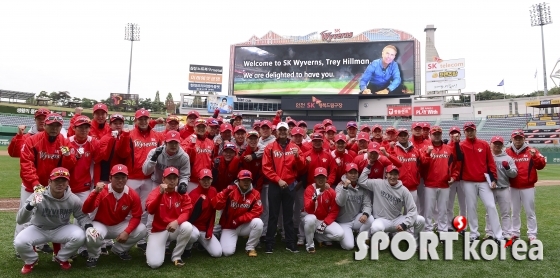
(131, 33)
(540, 16)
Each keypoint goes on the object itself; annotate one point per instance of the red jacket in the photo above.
(527, 167)
(344, 158)
(320, 158)
(324, 208)
(203, 213)
(111, 211)
(378, 168)
(109, 158)
(281, 164)
(200, 154)
(225, 173)
(237, 207)
(304, 147)
(82, 174)
(140, 143)
(420, 143)
(477, 160)
(39, 157)
(71, 131)
(168, 207)
(186, 131)
(14, 149)
(442, 165)
(98, 132)
(254, 166)
(410, 169)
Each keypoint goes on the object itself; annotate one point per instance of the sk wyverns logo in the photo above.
(177, 204)
(429, 241)
(120, 168)
(124, 207)
(337, 35)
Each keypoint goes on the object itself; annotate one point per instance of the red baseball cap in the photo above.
(245, 174)
(54, 118)
(320, 171)
(82, 120)
(230, 146)
(468, 125)
(59, 172)
(292, 122)
(454, 129)
(318, 127)
(417, 124)
(100, 106)
(373, 147)
(142, 113)
(220, 119)
(240, 128)
(172, 135)
(119, 168)
(340, 137)
(170, 171)
(199, 121)
(435, 129)
(42, 112)
(257, 123)
(298, 130)
(516, 133)
(497, 139)
(391, 168)
(403, 130)
(193, 113)
(376, 126)
(364, 127)
(316, 136)
(426, 125)
(212, 122)
(351, 124)
(173, 118)
(266, 123)
(331, 128)
(253, 133)
(363, 136)
(236, 114)
(204, 173)
(390, 130)
(327, 122)
(225, 127)
(115, 117)
(351, 166)
(300, 123)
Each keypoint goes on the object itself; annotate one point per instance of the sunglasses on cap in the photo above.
(117, 117)
(352, 125)
(54, 118)
(517, 133)
(172, 118)
(60, 174)
(200, 122)
(83, 121)
(252, 133)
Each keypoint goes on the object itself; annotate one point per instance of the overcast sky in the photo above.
(70, 46)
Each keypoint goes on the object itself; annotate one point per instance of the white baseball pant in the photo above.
(348, 228)
(112, 232)
(483, 190)
(264, 201)
(456, 189)
(23, 195)
(333, 232)
(436, 198)
(415, 198)
(191, 186)
(155, 251)
(253, 229)
(502, 197)
(70, 236)
(420, 205)
(298, 214)
(143, 188)
(211, 245)
(525, 197)
(390, 226)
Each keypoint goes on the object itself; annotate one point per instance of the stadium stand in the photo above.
(447, 124)
(384, 124)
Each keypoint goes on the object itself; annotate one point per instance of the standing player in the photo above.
(242, 206)
(77, 113)
(49, 214)
(118, 212)
(355, 206)
(200, 150)
(456, 188)
(203, 216)
(479, 178)
(107, 147)
(14, 149)
(99, 126)
(189, 128)
(409, 155)
(506, 169)
(528, 160)
(87, 152)
(171, 211)
(390, 198)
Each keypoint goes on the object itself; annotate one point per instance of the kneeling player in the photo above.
(355, 206)
(203, 216)
(389, 199)
(241, 217)
(171, 211)
(114, 203)
(48, 214)
(322, 210)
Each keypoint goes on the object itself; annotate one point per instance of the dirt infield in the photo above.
(4, 153)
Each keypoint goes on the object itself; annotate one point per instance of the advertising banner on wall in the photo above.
(399, 111)
(320, 103)
(427, 110)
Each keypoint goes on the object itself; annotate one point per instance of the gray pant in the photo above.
(253, 230)
(503, 199)
(456, 189)
(333, 232)
(390, 226)
(420, 204)
(155, 251)
(70, 236)
(436, 198)
(264, 214)
(483, 190)
(525, 197)
(112, 232)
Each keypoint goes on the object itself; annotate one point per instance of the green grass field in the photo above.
(297, 86)
(327, 262)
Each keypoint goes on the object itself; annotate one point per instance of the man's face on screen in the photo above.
(388, 55)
